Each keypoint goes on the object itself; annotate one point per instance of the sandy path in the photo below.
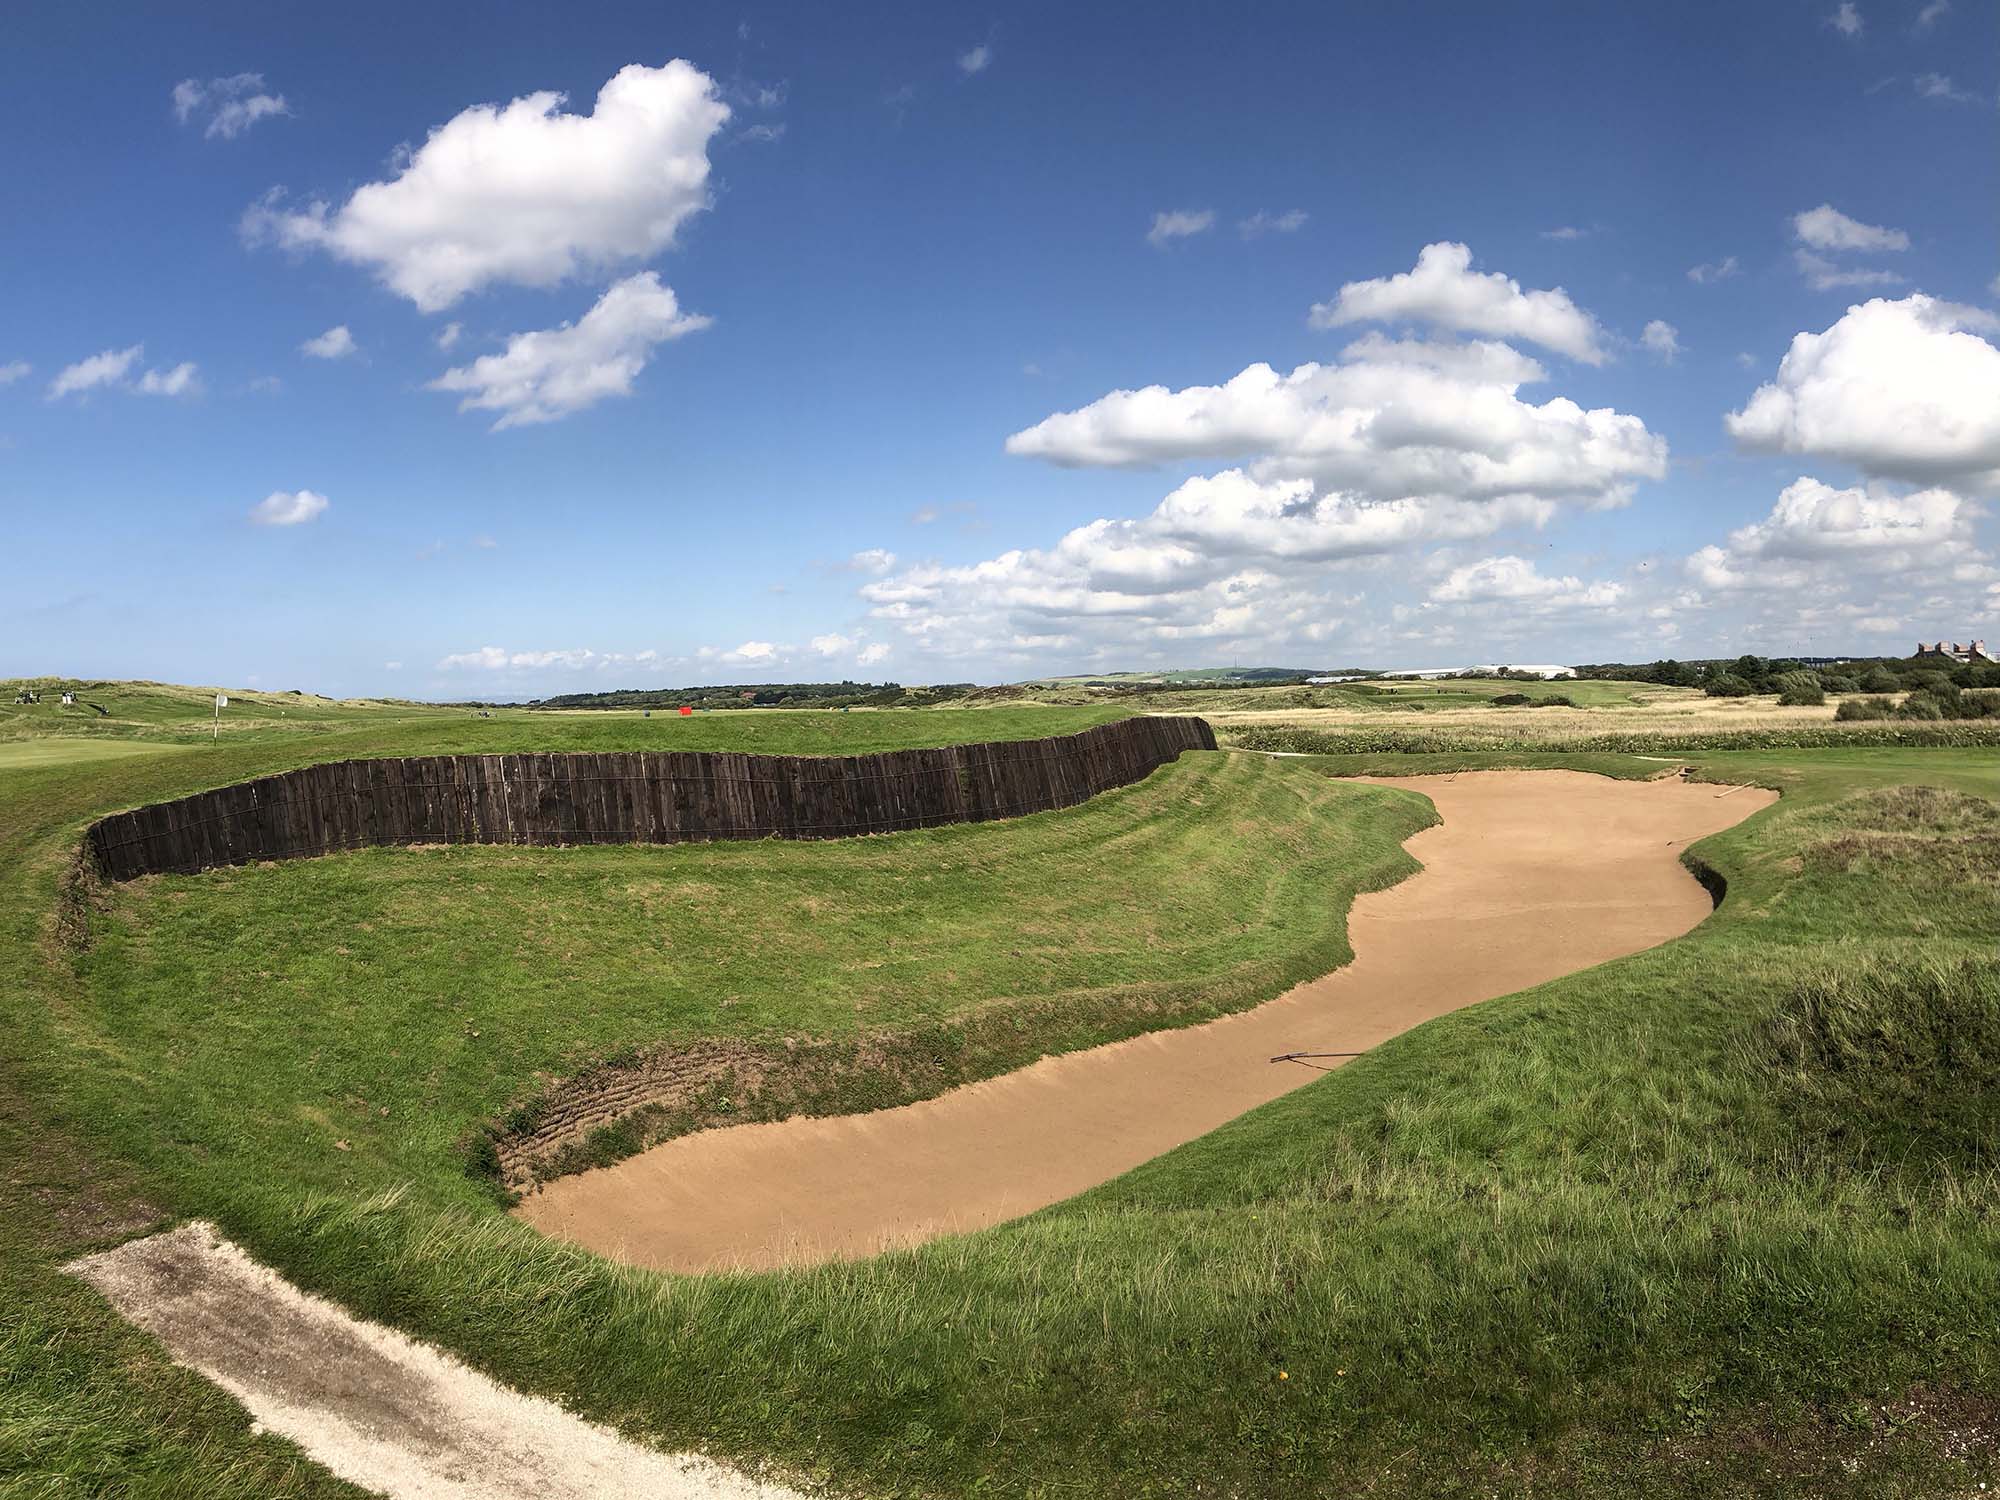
(1531, 875)
(379, 1409)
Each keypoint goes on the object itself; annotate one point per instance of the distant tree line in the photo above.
(845, 694)
(1935, 691)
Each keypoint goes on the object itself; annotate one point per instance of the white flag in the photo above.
(222, 700)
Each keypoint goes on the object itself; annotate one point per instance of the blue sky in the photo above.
(740, 351)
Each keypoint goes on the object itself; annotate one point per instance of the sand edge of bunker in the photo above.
(1610, 883)
(637, 1098)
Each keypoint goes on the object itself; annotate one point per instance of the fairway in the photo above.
(37, 754)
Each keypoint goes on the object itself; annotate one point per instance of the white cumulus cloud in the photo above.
(1827, 228)
(1846, 19)
(975, 59)
(108, 368)
(288, 508)
(1396, 446)
(1264, 222)
(1396, 420)
(1900, 389)
(1222, 557)
(1813, 519)
(545, 375)
(525, 192)
(112, 370)
(569, 659)
(1516, 581)
(1179, 224)
(1662, 340)
(335, 343)
(181, 380)
(1718, 270)
(1823, 275)
(14, 370)
(876, 560)
(1819, 541)
(1444, 291)
(232, 105)
(749, 654)
(1940, 87)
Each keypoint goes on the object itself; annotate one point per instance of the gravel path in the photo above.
(380, 1410)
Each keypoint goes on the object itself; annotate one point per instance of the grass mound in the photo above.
(1894, 1065)
(1923, 809)
(1928, 839)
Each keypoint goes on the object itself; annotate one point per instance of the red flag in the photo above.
(685, 710)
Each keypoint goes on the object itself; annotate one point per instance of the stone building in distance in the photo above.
(1955, 654)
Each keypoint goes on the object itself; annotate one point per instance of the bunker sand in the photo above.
(1530, 876)
(379, 1409)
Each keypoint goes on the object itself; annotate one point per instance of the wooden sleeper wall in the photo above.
(629, 797)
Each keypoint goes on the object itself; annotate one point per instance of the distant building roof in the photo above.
(1970, 652)
(1542, 670)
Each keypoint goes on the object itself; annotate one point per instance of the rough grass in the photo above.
(1894, 1067)
(1372, 699)
(87, 1406)
(380, 1005)
(1561, 732)
(161, 713)
(1590, 1239)
(1605, 718)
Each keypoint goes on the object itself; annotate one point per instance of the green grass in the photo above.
(161, 710)
(394, 1000)
(156, 713)
(1702, 1222)
(87, 1406)
(68, 750)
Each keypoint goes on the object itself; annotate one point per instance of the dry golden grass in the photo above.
(1671, 714)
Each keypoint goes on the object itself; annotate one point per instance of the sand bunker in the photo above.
(1531, 875)
(379, 1409)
